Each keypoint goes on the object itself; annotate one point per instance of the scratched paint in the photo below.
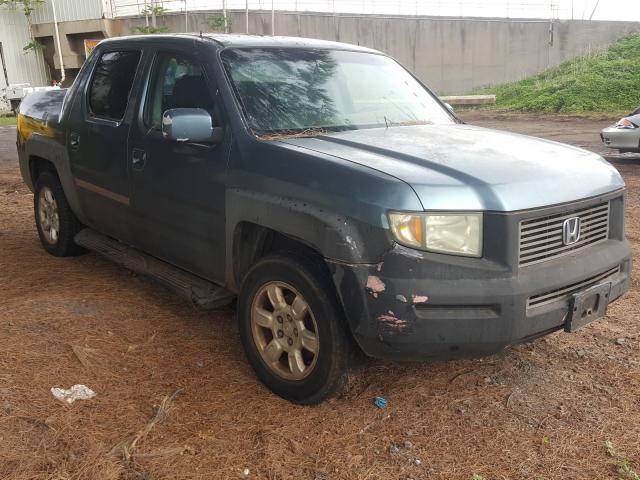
(391, 322)
(351, 242)
(375, 285)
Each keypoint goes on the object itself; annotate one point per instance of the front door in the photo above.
(97, 142)
(178, 188)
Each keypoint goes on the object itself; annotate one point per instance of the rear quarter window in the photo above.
(111, 83)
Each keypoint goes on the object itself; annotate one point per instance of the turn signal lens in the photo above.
(408, 229)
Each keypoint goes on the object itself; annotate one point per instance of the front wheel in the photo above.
(292, 329)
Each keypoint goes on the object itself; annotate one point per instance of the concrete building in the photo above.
(18, 66)
(77, 20)
(451, 54)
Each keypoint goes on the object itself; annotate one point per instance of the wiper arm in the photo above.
(284, 134)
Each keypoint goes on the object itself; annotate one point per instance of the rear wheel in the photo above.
(292, 329)
(56, 223)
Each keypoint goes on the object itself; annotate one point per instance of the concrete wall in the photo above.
(452, 55)
(71, 10)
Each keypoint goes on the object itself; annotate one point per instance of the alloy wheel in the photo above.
(284, 330)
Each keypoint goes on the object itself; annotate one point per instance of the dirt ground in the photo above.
(542, 410)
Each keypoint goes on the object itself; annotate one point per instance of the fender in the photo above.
(54, 150)
(337, 237)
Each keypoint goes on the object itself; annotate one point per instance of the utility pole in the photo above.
(153, 14)
(571, 9)
(594, 9)
(55, 27)
(246, 17)
(273, 19)
(4, 66)
(186, 18)
(224, 16)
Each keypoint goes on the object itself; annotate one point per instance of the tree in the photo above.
(27, 7)
(155, 11)
(218, 23)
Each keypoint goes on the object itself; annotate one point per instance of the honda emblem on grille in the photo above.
(571, 230)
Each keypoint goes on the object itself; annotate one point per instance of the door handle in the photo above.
(138, 158)
(74, 141)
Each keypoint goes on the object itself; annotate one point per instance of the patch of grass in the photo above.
(606, 81)
(7, 120)
(623, 466)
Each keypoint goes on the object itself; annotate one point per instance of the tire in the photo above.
(312, 376)
(53, 214)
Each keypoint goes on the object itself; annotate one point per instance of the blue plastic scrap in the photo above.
(380, 402)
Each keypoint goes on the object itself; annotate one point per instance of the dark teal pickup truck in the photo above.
(344, 205)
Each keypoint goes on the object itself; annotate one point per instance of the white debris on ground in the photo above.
(77, 392)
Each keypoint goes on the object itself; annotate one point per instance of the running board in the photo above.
(199, 291)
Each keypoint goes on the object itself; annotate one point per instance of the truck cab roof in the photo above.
(241, 41)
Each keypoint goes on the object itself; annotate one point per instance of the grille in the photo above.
(565, 292)
(541, 238)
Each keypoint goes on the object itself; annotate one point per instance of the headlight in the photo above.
(624, 123)
(453, 233)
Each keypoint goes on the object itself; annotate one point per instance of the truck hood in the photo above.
(463, 167)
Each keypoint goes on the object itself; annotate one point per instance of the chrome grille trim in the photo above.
(541, 237)
(564, 293)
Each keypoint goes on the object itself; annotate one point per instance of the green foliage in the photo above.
(625, 469)
(33, 46)
(623, 465)
(156, 10)
(148, 29)
(607, 81)
(609, 448)
(27, 6)
(477, 477)
(216, 22)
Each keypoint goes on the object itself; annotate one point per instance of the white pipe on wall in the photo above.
(55, 26)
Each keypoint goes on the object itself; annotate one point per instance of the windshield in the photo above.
(309, 91)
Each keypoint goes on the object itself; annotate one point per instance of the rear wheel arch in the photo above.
(38, 165)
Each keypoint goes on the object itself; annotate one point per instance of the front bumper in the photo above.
(411, 308)
(620, 138)
(418, 305)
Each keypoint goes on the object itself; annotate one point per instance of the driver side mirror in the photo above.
(190, 125)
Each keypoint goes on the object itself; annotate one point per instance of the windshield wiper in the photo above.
(283, 134)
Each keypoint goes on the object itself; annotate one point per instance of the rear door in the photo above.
(178, 188)
(98, 137)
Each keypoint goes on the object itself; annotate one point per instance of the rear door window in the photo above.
(111, 83)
